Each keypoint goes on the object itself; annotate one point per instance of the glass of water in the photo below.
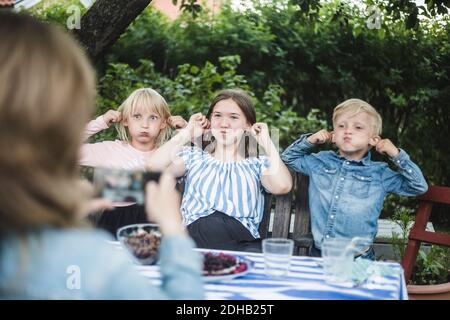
(277, 256)
(338, 257)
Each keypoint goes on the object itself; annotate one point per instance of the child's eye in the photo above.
(340, 126)
(137, 116)
(153, 117)
(234, 118)
(217, 115)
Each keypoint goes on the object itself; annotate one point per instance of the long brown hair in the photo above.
(245, 103)
(242, 99)
(47, 95)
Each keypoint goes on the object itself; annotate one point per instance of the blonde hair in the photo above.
(357, 106)
(148, 100)
(47, 95)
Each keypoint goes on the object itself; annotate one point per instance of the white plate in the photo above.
(250, 264)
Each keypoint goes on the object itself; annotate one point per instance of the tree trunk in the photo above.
(105, 21)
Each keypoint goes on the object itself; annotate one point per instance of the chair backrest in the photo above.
(418, 233)
(264, 224)
(297, 199)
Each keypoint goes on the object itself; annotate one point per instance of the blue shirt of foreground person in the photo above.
(347, 188)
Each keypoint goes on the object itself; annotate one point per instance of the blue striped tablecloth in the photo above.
(304, 281)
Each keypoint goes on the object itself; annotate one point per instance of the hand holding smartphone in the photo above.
(123, 185)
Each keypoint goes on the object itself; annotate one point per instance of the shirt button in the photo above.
(409, 170)
(327, 236)
(342, 179)
(337, 197)
(332, 217)
(346, 162)
(398, 161)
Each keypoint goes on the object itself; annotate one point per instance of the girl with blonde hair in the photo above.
(143, 123)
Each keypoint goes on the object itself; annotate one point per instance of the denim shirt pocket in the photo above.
(360, 185)
(325, 176)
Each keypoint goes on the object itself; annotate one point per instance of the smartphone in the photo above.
(123, 185)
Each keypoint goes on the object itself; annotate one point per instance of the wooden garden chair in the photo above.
(418, 234)
(297, 198)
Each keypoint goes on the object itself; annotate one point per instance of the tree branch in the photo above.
(104, 23)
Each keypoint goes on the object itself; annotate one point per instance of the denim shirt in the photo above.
(346, 196)
(81, 264)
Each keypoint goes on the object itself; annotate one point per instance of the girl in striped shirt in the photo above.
(224, 181)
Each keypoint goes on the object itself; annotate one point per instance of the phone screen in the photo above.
(122, 185)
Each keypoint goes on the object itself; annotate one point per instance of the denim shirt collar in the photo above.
(364, 161)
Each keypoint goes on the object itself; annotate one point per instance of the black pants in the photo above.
(112, 220)
(220, 231)
(315, 252)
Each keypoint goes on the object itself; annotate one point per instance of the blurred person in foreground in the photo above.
(46, 97)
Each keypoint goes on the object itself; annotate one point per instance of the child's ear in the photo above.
(163, 125)
(374, 140)
(125, 122)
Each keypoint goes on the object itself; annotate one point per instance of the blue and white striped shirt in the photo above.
(233, 188)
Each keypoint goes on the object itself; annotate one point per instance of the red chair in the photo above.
(418, 234)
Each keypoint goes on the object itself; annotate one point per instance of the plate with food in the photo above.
(219, 266)
(142, 241)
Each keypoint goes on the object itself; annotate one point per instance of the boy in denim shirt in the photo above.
(346, 188)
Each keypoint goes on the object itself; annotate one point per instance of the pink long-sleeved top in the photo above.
(110, 154)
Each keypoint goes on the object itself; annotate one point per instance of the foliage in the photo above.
(409, 11)
(192, 90)
(56, 11)
(431, 267)
(189, 6)
(403, 218)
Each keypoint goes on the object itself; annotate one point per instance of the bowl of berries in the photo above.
(142, 241)
(219, 266)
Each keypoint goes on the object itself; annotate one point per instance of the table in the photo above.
(304, 281)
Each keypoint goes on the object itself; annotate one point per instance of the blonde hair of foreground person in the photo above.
(47, 95)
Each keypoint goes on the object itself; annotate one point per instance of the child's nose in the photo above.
(224, 124)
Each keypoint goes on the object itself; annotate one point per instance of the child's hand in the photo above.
(177, 122)
(320, 137)
(112, 116)
(260, 131)
(385, 146)
(197, 125)
(92, 205)
(95, 205)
